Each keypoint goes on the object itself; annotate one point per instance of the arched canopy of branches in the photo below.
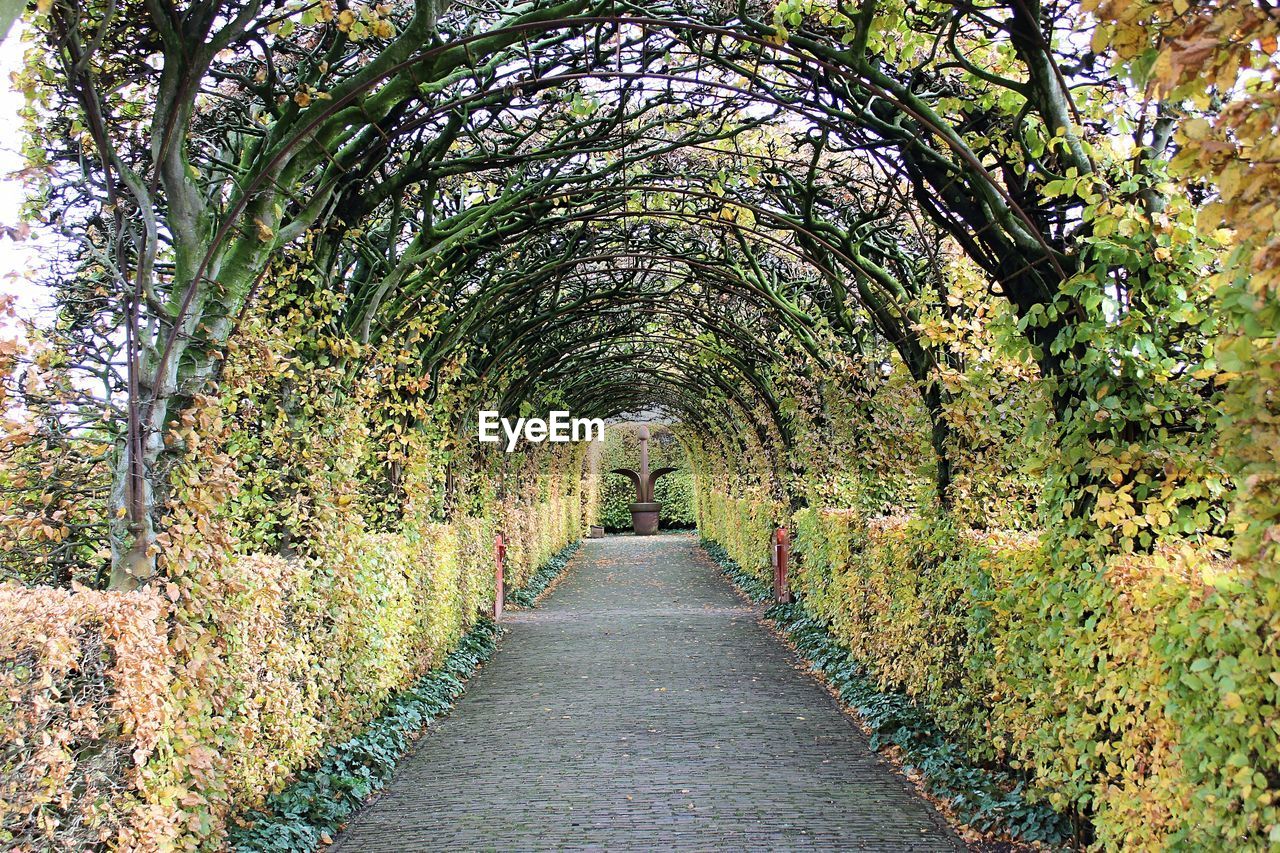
(716, 210)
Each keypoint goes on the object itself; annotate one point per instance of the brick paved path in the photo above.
(641, 706)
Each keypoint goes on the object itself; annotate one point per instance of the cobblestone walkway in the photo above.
(642, 707)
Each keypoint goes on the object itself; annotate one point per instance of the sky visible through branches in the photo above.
(16, 258)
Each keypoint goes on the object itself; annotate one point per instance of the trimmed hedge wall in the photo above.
(168, 709)
(305, 814)
(985, 798)
(323, 797)
(1138, 700)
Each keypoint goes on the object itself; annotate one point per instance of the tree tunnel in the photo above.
(965, 270)
(589, 201)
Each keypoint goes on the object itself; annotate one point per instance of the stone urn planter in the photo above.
(644, 517)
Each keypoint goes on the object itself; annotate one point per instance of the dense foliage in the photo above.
(168, 709)
(1132, 706)
(299, 593)
(984, 799)
(309, 811)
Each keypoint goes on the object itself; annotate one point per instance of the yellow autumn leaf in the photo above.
(1196, 129)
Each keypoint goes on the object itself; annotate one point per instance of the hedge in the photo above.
(1138, 699)
(987, 799)
(143, 720)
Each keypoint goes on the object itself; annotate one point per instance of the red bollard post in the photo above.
(781, 558)
(773, 560)
(499, 560)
